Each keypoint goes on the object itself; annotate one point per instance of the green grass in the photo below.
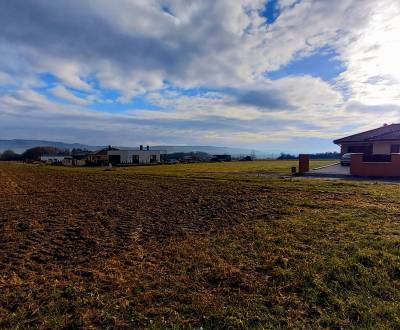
(209, 170)
(261, 166)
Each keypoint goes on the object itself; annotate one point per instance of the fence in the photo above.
(375, 165)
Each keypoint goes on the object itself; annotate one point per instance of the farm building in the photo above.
(136, 156)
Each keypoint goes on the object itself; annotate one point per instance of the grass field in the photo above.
(202, 245)
(205, 170)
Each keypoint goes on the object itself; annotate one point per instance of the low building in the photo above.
(190, 159)
(80, 158)
(53, 159)
(99, 157)
(68, 161)
(136, 156)
(383, 140)
(221, 158)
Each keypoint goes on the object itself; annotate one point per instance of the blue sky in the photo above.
(271, 11)
(272, 75)
(323, 63)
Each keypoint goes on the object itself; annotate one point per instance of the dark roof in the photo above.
(81, 153)
(384, 133)
(103, 151)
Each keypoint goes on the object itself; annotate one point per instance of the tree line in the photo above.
(35, 153)
(321, 155)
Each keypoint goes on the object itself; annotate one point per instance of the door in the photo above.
(135, 159)
(114, 159)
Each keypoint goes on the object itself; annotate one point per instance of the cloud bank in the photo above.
(196, 72)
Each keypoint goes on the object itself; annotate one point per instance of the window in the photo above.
(364, 149)
(153, 158)
(395, 148)
(377, 158)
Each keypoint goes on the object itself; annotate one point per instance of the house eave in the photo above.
(339, 142)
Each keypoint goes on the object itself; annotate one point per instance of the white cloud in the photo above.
(372, 58)
(63, 93)
(6, 79)
(149, 47)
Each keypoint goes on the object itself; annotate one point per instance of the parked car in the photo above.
(345, 159)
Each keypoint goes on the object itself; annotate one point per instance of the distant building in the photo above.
(68, 161)
(99, 157)
(136, 156)
(109, 155)
(53, 159)
(80, 158)
(221, 158)
(190, 159)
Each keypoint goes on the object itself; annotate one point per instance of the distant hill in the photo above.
(20, 146)
(212, 150)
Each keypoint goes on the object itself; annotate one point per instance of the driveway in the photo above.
(336, 171)
(333, 170)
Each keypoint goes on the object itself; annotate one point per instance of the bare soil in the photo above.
(58, 227)
(92, 212)
(89, 248)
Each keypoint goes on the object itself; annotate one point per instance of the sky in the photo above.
(276, 75)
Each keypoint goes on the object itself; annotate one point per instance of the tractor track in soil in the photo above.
(59, 218)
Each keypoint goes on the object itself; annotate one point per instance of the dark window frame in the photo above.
(395, 148)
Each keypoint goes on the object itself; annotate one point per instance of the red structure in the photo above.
(380, 169)
(304, 163)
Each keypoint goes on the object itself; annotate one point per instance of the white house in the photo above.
(136, 156)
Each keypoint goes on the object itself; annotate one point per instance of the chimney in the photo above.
(147, 148)
(141, 147)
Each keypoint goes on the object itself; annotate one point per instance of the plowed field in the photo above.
(82, 249)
